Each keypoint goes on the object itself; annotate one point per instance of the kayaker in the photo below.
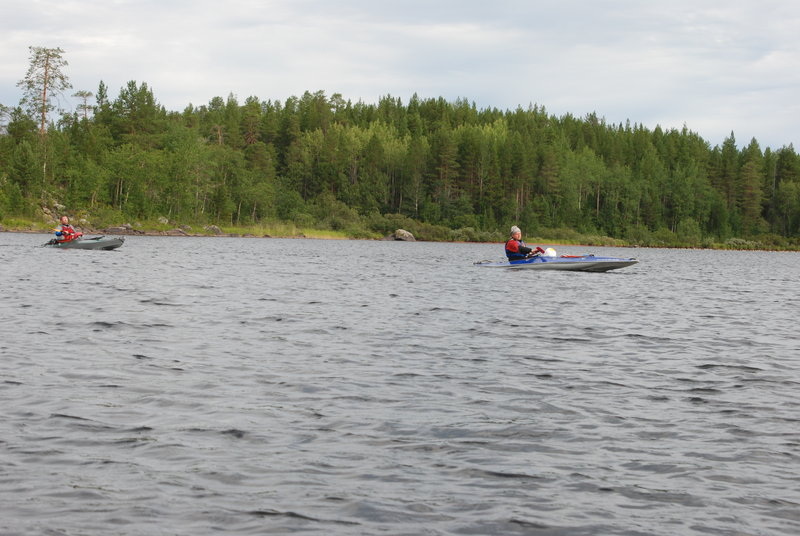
(66, 232)
(516, 248)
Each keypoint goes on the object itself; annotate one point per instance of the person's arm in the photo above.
(538, 250)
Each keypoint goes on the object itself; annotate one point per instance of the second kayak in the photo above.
(97, 242)
(574, 263)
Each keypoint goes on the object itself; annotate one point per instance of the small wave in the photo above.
(102, 325)
(502, 474)
(704, 390)
(64, 416)
(106, 325)
(745, 368)
(159, 302)
(650, 496)
(289, 513)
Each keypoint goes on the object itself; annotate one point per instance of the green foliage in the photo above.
(638, 235)
(333, 214)
(739, 243)
(468, 234)
(104, 216)
(688, 232)
(443, 171)
(386, 224)
(664, 237)
(562, 235)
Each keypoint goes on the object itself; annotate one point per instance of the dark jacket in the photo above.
(516, 249)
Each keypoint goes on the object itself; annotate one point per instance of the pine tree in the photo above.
(43, 81)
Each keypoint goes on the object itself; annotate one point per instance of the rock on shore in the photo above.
(402, 235)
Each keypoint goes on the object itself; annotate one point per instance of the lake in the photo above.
(198, 386)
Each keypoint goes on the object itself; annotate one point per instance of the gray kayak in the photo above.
(97, 242)
(573, 263)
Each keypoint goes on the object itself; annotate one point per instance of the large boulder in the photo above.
(213, 229)
(48, 216)
(403, 235)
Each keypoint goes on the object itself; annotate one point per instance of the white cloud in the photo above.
(712, 65)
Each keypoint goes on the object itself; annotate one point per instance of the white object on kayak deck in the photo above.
(550, 252)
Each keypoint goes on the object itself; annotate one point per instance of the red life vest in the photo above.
(67, 233)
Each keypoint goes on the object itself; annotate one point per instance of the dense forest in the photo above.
(444, 170)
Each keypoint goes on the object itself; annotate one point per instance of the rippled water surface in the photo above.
(198, 386)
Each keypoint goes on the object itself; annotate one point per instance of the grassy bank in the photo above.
(377, 227)
(276, 230)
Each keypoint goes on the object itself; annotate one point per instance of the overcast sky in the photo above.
(713, 66)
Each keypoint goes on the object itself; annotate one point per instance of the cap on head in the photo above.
(515, 229)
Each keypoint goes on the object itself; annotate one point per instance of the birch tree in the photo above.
(5, 114)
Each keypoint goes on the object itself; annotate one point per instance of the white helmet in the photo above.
(550, 252)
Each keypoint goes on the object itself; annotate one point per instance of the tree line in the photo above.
(449, 169)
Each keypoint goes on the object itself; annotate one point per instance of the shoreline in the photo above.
(178, 232)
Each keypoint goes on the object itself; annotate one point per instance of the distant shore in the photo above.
(189, 231)
(180, 232)
(290, 231)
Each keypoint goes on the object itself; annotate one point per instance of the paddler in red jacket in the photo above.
(66, 232)
(516, 248)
